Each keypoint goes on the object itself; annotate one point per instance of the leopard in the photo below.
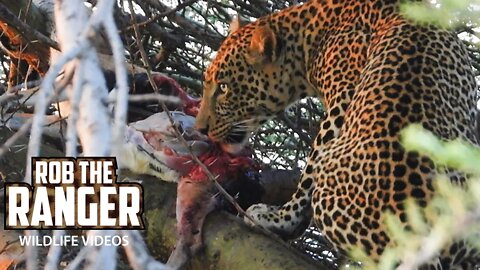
(375, 71)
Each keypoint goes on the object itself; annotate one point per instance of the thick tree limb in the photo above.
(229, 244)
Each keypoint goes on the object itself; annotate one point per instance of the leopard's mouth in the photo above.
(235, 142)
(239, 136)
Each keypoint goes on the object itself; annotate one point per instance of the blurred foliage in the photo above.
(447, 13)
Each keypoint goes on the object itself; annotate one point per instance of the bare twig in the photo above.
(44, 98)
(31, 251)
(75, 95)
(166, 13)
(54, 252)
(11, 141)
(121, 106)
(153, 97)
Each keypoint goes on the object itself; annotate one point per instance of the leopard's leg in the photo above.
(458, 256)
(286, 219)
(435, 264)
(461, 255)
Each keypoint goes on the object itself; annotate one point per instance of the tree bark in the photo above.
(229, 244)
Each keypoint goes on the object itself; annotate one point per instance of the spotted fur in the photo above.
(376, 72)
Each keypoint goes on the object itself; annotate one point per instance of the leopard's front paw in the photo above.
(261, 214)
(276, 219)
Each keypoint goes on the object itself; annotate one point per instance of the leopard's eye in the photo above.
(223, 88)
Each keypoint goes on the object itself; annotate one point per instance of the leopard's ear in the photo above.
(264, 46)
(236, 23)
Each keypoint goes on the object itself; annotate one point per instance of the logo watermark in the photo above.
(73, 193)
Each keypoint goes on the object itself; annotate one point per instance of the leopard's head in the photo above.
(249, 81)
